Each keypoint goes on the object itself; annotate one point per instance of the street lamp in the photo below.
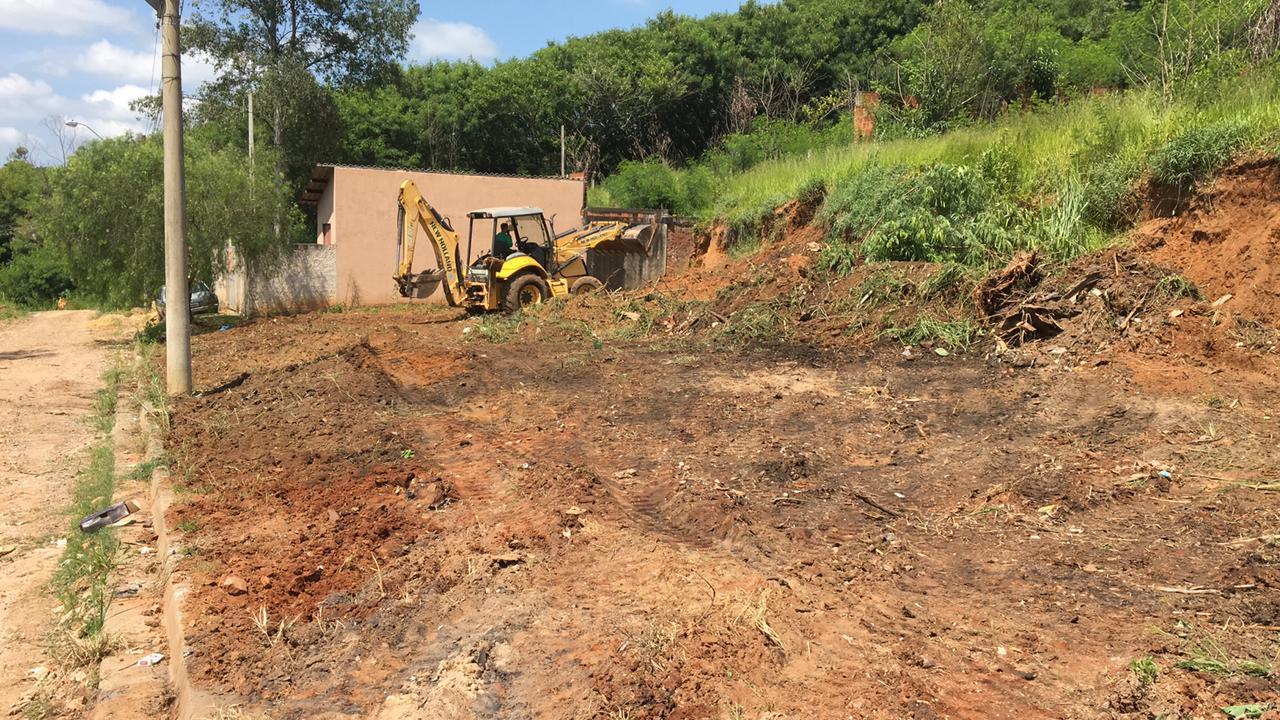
(74, 124)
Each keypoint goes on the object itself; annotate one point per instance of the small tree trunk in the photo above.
(277, 140)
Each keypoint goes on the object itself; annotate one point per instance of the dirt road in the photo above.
(50, 368)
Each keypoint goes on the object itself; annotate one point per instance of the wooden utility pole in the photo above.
(562, 151)
(177, 316)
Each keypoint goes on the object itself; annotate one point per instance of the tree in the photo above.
(20, 184)
(283, 48)
(104, 213)
(1167, 42)
(946, 64)
(31, 272)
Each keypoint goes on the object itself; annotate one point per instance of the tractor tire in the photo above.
(584, 285)
(525, 291)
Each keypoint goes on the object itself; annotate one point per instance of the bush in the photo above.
(770, 139)
(1001, 166)
(1197, 153)
(942, 213)
(35, 279)
(654, 184)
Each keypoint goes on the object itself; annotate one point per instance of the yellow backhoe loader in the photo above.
(537, 265)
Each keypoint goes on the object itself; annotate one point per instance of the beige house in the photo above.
(355, 252)
(356, 213)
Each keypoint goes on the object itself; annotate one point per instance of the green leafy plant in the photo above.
(1252, 710)
(1110, 194)
(951, 281)
(1145, 669)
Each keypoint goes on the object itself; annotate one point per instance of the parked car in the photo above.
(203, 300)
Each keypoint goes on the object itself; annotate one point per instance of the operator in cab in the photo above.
(502, 242)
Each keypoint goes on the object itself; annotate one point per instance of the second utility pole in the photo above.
(177, 317)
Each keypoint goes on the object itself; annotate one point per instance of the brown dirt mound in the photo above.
(1228, 242)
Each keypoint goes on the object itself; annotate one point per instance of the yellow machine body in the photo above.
(513, 282)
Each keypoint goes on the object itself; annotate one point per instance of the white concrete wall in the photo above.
(306, 280)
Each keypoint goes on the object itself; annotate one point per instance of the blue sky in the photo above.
(86, 60)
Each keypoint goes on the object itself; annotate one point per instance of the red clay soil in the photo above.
(1228, 240)
(608, 516)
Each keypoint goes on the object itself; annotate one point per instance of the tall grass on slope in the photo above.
(1060, 180)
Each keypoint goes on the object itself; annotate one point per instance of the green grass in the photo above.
(80, 582)
(144, 469)
(1061, 178)
(1206, 653)
(10, 312)
(496, 328)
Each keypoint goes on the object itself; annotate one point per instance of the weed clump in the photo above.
(1197, 153)
(1177, 286)
(1111, 199)
(1145, 669)
(947, 213)
(755, 324)
(954, 334)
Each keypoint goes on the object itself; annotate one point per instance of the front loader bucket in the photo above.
(635, 239)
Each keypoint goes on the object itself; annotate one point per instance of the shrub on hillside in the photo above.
(654, 184)
(1197, 153)
(943, 213)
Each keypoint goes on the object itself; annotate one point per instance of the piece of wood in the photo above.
(877, 505)
(1188, 591)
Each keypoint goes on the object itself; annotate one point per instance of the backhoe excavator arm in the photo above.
(414, 211)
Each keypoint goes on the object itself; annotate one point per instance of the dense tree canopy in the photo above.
(105, 215)
(678, 86)
(287, 51)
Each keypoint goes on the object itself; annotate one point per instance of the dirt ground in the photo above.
(411, 514)
(50, 369)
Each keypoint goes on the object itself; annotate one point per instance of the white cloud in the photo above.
(10, 136)
(103, 58)
(63, 17)
(20, 97)
(108, 110)
(455, 40)
(140, 67)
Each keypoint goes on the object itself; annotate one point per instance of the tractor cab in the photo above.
(526, 227)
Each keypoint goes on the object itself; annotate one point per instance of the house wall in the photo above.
(363, 218)
(324, 215)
